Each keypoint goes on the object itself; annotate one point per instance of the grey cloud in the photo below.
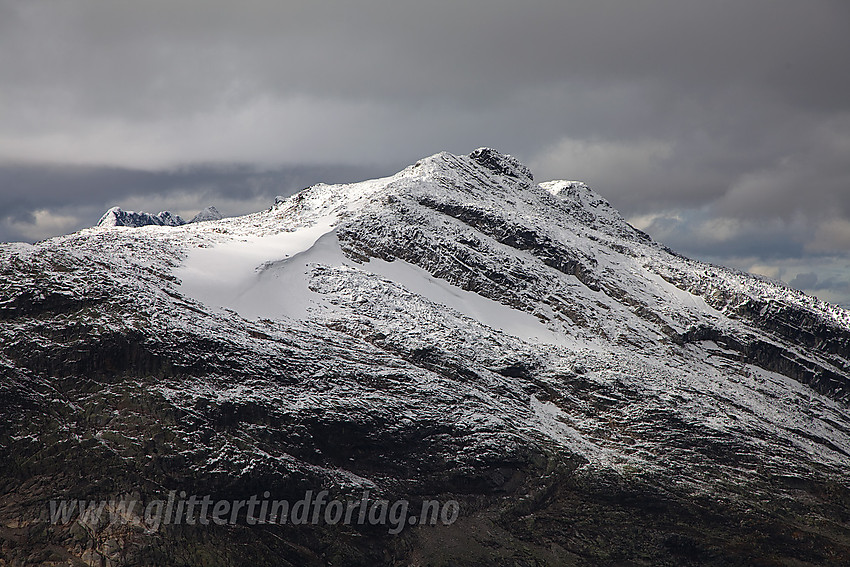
(699, 235)
(805, 280)
(838, 287)
(426, 49)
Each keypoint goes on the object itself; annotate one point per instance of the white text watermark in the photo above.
(178, 508)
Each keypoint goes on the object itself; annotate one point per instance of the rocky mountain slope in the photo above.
(455, 331)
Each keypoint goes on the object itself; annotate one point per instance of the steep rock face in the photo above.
(454, 331)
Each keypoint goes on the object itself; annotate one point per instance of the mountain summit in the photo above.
(116, 216)
(456, 331)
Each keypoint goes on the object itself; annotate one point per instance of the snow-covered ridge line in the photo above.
(482, 187)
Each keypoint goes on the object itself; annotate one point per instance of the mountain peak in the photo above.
(502, 164)
(208, 214)
(591, 208)
(577, 193)
(116, 216)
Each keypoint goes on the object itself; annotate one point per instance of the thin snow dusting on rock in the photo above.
(457, 328)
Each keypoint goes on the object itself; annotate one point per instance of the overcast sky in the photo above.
(720, 127)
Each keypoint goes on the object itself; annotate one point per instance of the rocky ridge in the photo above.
(116, 216)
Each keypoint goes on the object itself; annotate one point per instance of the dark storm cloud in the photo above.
(613, 70)
(422, 49)
(736, 114)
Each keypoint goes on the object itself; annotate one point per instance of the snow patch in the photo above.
(269, 277)
(234, 274)
(520, 324)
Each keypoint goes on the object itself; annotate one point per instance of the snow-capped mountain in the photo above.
(456, 329)
(208, 214)
(116, 216)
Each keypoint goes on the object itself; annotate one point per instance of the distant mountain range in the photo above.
(119, 217)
